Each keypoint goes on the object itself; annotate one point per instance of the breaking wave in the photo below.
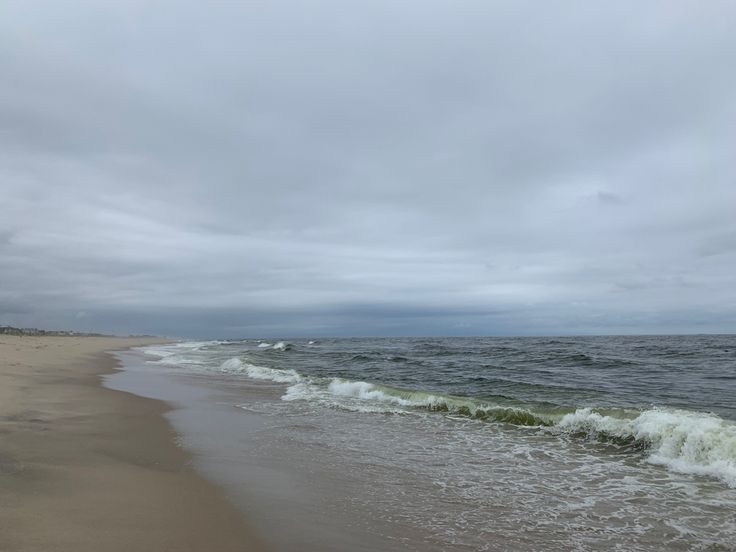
(683, 441)
(279, 346)
(237, 366)
(687, 442)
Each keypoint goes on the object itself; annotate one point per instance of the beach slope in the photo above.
(85, 468)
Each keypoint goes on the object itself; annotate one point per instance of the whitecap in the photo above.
(683, 441)
(237, 366)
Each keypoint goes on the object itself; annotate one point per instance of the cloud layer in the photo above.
(307, 168)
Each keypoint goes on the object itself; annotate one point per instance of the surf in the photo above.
(683, 441)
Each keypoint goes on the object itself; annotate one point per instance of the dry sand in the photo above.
(85, 468)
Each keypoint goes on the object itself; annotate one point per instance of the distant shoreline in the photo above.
(23, 332)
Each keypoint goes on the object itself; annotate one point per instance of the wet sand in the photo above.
(303, 497)
(85, 468)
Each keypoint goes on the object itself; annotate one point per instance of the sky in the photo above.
(415, 167)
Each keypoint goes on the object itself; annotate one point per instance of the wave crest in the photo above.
(237, 366)
(686, 442)
(683, 441)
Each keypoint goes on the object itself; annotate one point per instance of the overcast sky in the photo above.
(272, 168)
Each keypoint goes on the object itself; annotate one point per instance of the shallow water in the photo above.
(475, 443)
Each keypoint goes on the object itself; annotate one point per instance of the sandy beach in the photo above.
(85, 468)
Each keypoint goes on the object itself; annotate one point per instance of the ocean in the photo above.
(549, 443)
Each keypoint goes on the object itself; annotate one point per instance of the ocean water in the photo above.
(590, 443)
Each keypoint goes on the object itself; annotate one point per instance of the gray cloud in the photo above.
(368, 167)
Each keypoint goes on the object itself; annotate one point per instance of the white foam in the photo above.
(232, 365)
(173, 354)
(280, 346)
(263, 345)
(345, 395)
(160, 351)
(235, 365)
(196, 345)
(300, 391)
(176, 353)
(357, 396)
(683, 441)
(363, 390)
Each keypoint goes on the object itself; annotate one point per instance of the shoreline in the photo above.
(350, 474)
(269, 480)
(86, 468)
